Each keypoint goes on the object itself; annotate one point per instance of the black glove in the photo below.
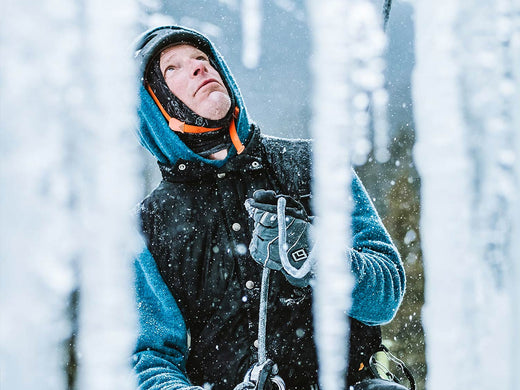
(264, 246)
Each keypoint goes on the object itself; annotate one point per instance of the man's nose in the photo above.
(198, 67)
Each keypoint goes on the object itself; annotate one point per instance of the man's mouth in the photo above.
(204, 83)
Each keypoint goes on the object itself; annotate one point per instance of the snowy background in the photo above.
(71, 170)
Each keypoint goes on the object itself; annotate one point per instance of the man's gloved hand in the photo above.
(264, 246)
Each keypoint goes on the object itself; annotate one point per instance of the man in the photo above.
(197, 284)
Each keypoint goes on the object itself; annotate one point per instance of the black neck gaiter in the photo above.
(203, 144)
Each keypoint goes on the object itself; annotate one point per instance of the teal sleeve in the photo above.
(159, 359)
(379, 274)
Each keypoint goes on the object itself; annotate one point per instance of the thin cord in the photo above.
(262, 317)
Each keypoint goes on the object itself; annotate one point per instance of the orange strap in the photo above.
(177, 125)
(163, 111)
(239, 146)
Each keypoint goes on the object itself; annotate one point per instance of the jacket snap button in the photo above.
(250, 284)
(255, 164)
(182, 167)
(221, 175)
(236, 226)
(256, 344)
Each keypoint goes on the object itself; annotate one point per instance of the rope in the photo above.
(265, 369)
(262, 316)
(376, 367)
(245, 386)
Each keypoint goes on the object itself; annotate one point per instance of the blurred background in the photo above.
(277, 92)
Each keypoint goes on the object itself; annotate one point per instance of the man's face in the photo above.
(190, 76)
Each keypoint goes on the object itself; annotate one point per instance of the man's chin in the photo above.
(216, 106)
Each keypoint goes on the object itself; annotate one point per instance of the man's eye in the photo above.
(202, 58)
(169, 68)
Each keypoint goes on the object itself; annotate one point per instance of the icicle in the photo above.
(330, 127)
(68, 184)
(464, 100)
(251, 32)
(514, 283)
(381, 129)
(366, 48)
(36, 244)
(108, 193)
(348, 78)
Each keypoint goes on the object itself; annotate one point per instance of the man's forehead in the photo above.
(179, 50)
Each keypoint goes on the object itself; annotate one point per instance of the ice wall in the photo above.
(466, 100)
(68, 183)
(348, 42)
